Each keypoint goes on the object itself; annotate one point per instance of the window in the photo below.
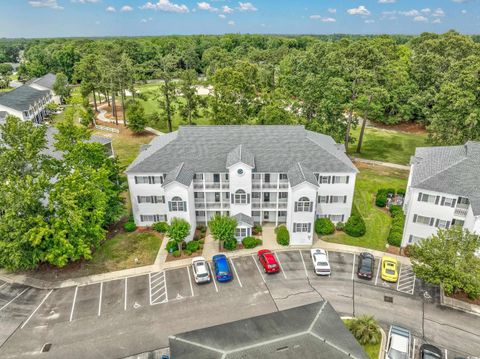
(463, 202)
(198, 176)
(282, 213)
(266, 196)
(301, 227)
(423, 220)
(340, 179)
(177, 205)
(448, 202)
(216, 177)
(423, 197)
(414, 239)
(266, 177)
(199, 195)
(322, 199)
(240, 172)
(153, 218)
(336, 217)
(151, 199)
(200, 213)
(283, 195)
(148, 179)
(255, 194)
(303, 205)
(217, 196)
(256, 176)
(283, 177)
(338, 199)
(242, 232)
(240, 197)
(324, 179)
(255, 213)
(458, 222)
(442, 224)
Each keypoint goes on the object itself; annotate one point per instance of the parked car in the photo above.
(201, 271)
(389, 269)
(366, 265)
(321, 265)
(429, 351)
(223, 273)
(268, 261)
(398, 343)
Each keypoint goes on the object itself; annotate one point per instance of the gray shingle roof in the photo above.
(46, 81)
(450, 169)
(22, 98)
(312, 331)
(179, 174)
(275, 149)
(300, 174)
(240, 217)
(240, 154)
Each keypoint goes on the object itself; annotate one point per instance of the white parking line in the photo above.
(399, 275)
(100, 301)
(150, 286)
(303, 261)
(190, 280)
(259, 271)
(413, 349)
(378, 270)
(236, 274)
(73, 303)
(213, 279)
(353, 265)
(280, 265)
(3, 285)
(446, 354)
(18, 295)
(125, 301)
(31, 315)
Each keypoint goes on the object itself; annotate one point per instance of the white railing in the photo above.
(461, 212)
(210, 185)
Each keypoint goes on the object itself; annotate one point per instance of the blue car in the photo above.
(222, 269)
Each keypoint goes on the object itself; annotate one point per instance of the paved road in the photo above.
(137, 314)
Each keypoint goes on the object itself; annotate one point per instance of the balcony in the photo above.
(460, 212)
(198, 185)
(269, 205)
(199, 205)
(212, 185)
(269, 185)
(282, 205)
(225, 185)
(283, 185)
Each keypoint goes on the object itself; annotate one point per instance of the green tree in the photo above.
(168, 93)
(365, 329)
(88, 73)
(178, 230)
(5, 71)
(189, 109)
(61, 87)
(223, 228)
(448, 259)
(137, 120)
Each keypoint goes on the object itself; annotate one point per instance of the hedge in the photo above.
(340, 226)
(176, 254)
(230, 244)
(381, 198)
(193, 246)
(355, 225)
(251, 242)
(171, 246)
(161, 227)
(324, 226)
(257, 229)
(129, 226)
(283, 237)
(396, 231)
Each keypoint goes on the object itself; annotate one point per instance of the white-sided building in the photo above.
(257, 174)
(443, 190)
(26, 103)
(45, 83)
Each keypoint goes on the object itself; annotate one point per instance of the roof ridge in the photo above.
(437, 173)
(301, 170)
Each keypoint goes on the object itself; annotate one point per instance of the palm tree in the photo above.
(365, 329)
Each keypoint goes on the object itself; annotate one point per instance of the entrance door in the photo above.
(266, 216)
(266, 196)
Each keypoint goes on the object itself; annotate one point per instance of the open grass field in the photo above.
(388, 145)
(378, 222)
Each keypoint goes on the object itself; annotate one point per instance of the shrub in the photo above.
(390, 192)
(396, 231)
(187, 252)
(340, 226)
(161, 227)
(401, 192)
(176, 254)
(202, 228)
(193, 246)
(283, 237)
(251, 242)
(129, 226)
(171, 246)
(355, 225)
(324, 226)
(257, 229)
(201, 241)
(381, 198)
(230, 244)
(365, 329)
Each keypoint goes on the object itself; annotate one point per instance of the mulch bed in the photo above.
(409, 127)
(171, 258)
(464, 298)
(393, 250)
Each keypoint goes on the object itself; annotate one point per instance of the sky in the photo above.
(70, 18)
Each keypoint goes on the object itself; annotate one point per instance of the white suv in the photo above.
(201, 271)
(398, 345)
(320, 261)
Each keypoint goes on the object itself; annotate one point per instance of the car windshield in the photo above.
(322, 264)
(390, 271)
(202, 275)
(395, 354)
(222, 273)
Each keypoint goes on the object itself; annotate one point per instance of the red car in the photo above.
(268, 261)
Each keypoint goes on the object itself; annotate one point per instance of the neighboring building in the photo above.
(26, 103)
(311, 331)
(443, 190)
(258, 174)
(45, 83)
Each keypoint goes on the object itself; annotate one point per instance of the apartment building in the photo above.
(443, 190)
(26, 103)
(257, 174)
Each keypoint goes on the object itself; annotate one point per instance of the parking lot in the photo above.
(296, 283)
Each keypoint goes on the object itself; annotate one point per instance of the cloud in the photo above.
(426, 10)
(389, 15)
(206, 6)
(126, 8)
(369, 21)
(165, 5)
(322, 19)
(222, 16)
(437, 21)
(386, 1)
(438, 12)
(361, 10)
(463, 11)
(332, 10)
(52, 4)
(411, 13)
(420, 18)
(231, 23)
(227, 9)
(246, 6)
(111, 9)
(85, 1)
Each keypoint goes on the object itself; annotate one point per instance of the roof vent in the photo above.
(282, 349)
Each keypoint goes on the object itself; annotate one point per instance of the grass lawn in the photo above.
(372, 350)
(388, 145)
(378, 222)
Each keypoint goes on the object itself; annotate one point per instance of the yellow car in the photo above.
(389, 269)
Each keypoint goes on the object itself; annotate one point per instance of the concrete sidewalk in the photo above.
(211, 247)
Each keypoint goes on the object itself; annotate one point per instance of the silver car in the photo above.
(399, 343)
(201, 270)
